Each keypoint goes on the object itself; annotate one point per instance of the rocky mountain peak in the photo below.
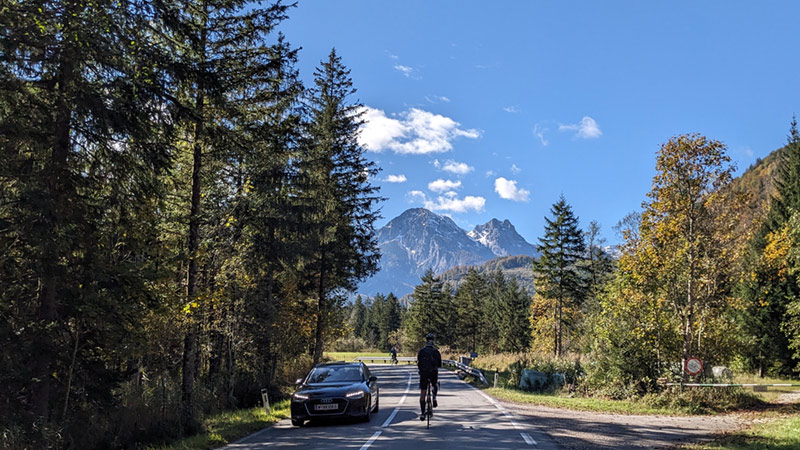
(418, 240)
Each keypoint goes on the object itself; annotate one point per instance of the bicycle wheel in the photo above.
(429, 406)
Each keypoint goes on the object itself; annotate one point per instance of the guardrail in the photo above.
(406, 359)
(409, 359)
(470, 370)
(756, 387)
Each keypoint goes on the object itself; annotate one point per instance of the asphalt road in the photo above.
(465, 419)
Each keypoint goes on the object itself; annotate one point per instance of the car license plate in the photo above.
(326, 407)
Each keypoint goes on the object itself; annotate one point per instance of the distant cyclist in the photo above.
(393, 351)
(428, 362)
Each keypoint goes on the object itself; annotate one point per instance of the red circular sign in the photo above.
(693, 366)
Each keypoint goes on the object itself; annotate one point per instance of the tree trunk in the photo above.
(322, 309)
(44, 356)
(189, 362)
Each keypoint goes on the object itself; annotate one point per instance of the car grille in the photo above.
(311, 406)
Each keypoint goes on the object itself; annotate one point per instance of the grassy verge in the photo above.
(350, 356)
(782, 433)
(230, 426)
(578, 403)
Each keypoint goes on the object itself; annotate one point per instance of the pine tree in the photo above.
(82, 136)
(234, 96)
(557, 272)
(336, 195)
(469, 303)
(514, 326)
(430, 312)
(599, 265)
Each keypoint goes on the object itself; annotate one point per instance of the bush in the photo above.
(703, 400)
(509, 368)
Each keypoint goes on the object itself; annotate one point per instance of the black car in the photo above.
(335, 390)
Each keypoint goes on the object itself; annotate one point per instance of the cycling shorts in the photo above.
(426, 377)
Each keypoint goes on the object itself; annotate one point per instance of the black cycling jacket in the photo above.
(429, 358)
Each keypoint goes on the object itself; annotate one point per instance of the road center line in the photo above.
(371, 440)
(402, 399)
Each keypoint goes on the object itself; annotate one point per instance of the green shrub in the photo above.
(703, 400)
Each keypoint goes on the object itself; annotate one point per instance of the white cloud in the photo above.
(448, 202)
(454, 204)
(406, 70)
(539, 131)
(443, 185)
(490, 173)
(508, 190)
(511, 109)
(514, 169)
(414, 132)
(437, 99)
(379, 131)
(396, 179)
(416, 196)
(458, 168)
(586, 129)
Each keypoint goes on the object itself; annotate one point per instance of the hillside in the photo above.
(518, 267)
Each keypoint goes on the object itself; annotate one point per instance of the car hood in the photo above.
(329, 388)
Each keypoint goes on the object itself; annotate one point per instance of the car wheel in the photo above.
(367, 414)
(298, 422)
(377, 402)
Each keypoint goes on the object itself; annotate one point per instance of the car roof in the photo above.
(340, 363)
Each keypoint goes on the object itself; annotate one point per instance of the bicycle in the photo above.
(429, 404)
(394, 359)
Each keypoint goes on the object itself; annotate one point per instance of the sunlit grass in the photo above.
(578, 403)
(782, 433)
(230, 426)
(351, 356)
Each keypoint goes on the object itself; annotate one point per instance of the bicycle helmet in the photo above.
(430, 337)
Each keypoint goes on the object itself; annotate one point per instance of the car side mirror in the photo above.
(373, 379)
(299, 381)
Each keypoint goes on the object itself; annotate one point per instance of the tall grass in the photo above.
(230, 426)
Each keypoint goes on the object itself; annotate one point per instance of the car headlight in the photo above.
(355, 394)
(299, 397)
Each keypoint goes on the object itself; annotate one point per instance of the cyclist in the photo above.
(393, 351)
(428, 362)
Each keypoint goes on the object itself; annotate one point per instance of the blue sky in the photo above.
(482, 110)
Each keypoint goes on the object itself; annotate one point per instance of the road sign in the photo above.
(693, 366)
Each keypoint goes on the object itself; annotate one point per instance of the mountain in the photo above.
(418, 240)
(502, 239)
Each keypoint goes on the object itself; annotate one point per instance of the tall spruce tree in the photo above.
(557, 272)
(82, 141)
(338, 201)
(235, 94)
(430, 312)
(599, 265)
(469, 303)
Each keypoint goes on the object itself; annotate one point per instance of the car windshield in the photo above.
(334, 374)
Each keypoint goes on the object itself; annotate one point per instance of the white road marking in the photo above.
(528, 439)
(394, 413)
(370, 441)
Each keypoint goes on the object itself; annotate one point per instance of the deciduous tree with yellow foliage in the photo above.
(685, 250)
